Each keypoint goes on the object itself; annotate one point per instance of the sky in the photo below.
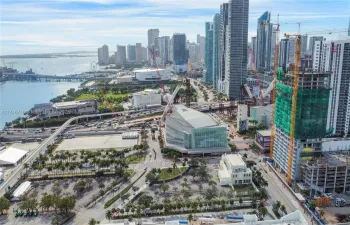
(47, 26)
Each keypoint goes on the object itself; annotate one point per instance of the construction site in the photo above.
(327, 173)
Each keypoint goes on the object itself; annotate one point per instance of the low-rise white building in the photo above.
(146, 98)
(21, 190)
(151, 75)
(12, 156)
(60, 109)
(233, 170)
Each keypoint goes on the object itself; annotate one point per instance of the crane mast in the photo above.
(294, 106)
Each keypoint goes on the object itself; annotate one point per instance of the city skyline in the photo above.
(70, 25)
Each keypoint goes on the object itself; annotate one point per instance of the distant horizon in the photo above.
(46, 26)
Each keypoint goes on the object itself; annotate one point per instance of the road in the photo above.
(16, 172)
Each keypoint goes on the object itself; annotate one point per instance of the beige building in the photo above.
(233, 171)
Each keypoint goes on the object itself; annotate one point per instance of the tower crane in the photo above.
(273, 93)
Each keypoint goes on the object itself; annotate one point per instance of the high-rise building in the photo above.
(180, 53)
(103, 55)
(99, 55)
(201, 42)
(138, 51)
(131, 52)
(144, 54)
(349, 28)
(216, 56)
(287, 52)
(303, 47)
(209, 52)
(310, 117)
(222, 44)
(253, 44)
(312, 43)
(283, 53)
(335, 59)
(121, 54)
(152, 34)
(236, 51)
(316, 57)
(273, 46)
(164, 49)
(292, 48)
(264, 36)
(194, 52)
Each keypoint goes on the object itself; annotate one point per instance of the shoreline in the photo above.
(21, 112)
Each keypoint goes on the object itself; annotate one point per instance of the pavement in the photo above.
(96, 142)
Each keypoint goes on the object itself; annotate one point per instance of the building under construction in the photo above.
(310, 117)
(329, 173)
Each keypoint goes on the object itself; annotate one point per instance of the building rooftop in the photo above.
(67, 105)
(264, 132)
(147, 70)
(195, 118)
(234, 159)
(24, 187)
(11, 155)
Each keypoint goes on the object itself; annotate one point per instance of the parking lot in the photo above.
(26, 146)
(96, 142)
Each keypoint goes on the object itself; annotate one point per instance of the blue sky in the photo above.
(43, 26)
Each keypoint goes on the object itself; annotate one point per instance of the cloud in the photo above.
(87, 24)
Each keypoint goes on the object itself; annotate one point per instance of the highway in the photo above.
(16, 173)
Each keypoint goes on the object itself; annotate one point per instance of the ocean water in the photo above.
(18, 97)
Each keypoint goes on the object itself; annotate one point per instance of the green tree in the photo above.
(108, 215)
(4, 204)
(66, 204)
(47, 201)
(165, 188)
(92, 221)
(190, 217)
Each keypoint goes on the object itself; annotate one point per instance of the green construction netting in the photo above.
(311, 113)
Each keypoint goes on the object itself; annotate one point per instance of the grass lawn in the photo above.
(165, 175)
(134, 159)
(109, 95)
(86, 96)
(244, 188)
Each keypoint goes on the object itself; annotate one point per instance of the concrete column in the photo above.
(325, 178)
(335, 178)
(346, 174)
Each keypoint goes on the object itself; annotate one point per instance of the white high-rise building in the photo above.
(152, 34)
(138, 50)
(194, 52)
(121, 54)
(335, 58)
(316, 57)
(103, 55)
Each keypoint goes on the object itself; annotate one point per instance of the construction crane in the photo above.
(256, 74)
(294, 103)
(273, 94)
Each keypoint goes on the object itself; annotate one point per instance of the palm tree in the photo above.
(240, 201)
(26, 166)
(108, 215)
(262, 212)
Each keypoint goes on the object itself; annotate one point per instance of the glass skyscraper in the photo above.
(209, 52)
